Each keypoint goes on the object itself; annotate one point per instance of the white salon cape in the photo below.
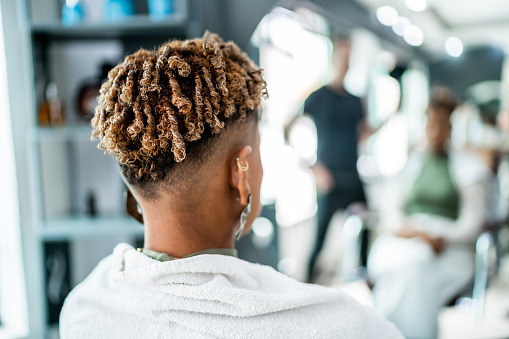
(130, 295)
(412, 283)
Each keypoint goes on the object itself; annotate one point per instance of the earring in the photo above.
(243, 218)
(242, 168)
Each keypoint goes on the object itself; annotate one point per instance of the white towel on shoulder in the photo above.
(130, 295)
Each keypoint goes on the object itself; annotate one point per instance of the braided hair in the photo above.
(161, 107)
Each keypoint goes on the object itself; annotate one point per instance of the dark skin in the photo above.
(438, 131)
(180, 224)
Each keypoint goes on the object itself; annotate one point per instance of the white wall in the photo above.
(20, 107)
(13, 302)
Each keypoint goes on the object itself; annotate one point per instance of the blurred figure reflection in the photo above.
(338, 115)
(426, 255)
(503, 119)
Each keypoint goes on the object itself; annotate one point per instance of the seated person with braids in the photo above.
(426, 256)
(182, 121)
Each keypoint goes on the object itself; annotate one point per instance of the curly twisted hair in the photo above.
(160, 107)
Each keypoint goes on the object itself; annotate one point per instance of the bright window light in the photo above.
(388, 93)
(400, 25)
(416, 5)
(386, 61)
(263, 227)
(304, 140)
(287, 266)
(296, 191)
(387, 15)
(364, 46)
(13, 301)
(296, 61)
(454, 47)
(392, 146)
(413, 35)
(263, 232)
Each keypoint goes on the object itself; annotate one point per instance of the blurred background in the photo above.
(62, 201)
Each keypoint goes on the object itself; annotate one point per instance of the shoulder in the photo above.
(366, 322)
(374, 325)
(347, 318)
(78, 301)
(240, 295)
(468, 168)
(413, 165)
(339, 314)
(467, 158)
(93, 280)
(316, 96)
(353, 97)
(320, 92)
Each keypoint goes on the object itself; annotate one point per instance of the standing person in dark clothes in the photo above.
(339, 117)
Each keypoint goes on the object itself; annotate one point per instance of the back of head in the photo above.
(160, 110)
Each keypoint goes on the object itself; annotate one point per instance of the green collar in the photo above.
(165, 257)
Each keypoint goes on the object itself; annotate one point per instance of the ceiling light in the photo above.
(387, 15)
(454, 46)
(400, 25)
(416, 5)
(413, 35)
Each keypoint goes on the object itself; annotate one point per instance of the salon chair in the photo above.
(486, 258)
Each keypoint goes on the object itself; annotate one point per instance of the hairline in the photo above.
(210, 150)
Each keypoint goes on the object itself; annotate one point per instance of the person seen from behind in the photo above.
(183, 123)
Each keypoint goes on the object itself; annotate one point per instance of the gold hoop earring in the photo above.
(242, 168)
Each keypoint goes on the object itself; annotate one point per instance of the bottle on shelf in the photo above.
(160, 9)
(72, 12)
(58, 278)
(91, 205)
(51, 112)
(89, 91)
(118, 10)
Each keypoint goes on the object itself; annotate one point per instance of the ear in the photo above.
(239, 178)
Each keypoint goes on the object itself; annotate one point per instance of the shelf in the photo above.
(63, 133)
(138, 25)
(87, 227)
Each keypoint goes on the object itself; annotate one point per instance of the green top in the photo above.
(165, 257)
(434, 191)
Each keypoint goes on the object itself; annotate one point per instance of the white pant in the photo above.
(412, 283)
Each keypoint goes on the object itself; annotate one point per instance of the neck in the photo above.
(336, 84)
(182, 227)
(438, 151)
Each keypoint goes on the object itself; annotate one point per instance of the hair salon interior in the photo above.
(63, 202)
